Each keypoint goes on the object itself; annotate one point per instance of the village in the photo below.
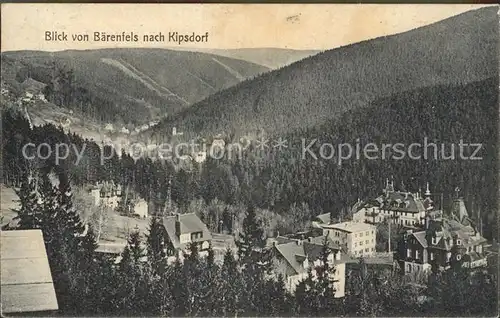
(257, 175)
(425, 237)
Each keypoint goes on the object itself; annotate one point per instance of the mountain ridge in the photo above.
(457, 50)
(128, 81)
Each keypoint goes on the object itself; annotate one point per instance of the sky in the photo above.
(293, 26)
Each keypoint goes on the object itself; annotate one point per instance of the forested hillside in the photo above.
(125, 85)
(290, 189)
(270, 57)
(458, 50)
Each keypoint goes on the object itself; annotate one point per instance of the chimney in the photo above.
(427, 191)
(309, 239)
(299, 242)
(178, 225)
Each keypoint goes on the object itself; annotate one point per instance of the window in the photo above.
(432, 256)
(367, 242)
(372, 249)
(459, 257)
(409, 268)
(434, 240)
(356, 235)
(355, 244)
(416, 254)
(360, 243)
(367, 233)
(196, 235)
(459, 242)
(373, 232)
(408, 253)
(361, 234)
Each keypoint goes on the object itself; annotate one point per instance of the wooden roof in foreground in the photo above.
(26, 280)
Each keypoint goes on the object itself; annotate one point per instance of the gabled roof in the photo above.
(287, 251)
(26, 279)
(323, 218)
(412, 203)
(420, 237)
(447, 230)
(189, 223)
(459, 210)
(294, 252)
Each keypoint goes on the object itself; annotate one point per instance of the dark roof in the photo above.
(27, 284)
(412, 203)
(189, 223)
(294, 252)
(473, 256)
(445, 231)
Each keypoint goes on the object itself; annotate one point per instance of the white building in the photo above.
(404, 208)
(294, 257)
(359, 239)
(141, 208)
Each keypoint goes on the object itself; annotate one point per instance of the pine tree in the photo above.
(88, 275)
(134, 278)
(209, 285)
(231, 286)
(191, 273)
(179, 288)
(324, 284)
(252, 236)
(255, 261)
(29, 215)
(155, 243)
(306, 296)
(50, 209)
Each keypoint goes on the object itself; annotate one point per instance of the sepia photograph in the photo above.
(249, 160)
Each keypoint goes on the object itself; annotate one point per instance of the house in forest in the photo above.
(293, 258)
(111, 250)
(141, 208)
(110, 194)
(321, 219)
(95, 193)
(356, 238)
(27, 286)
(400, 207)
(444, 240)
(184, 229)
